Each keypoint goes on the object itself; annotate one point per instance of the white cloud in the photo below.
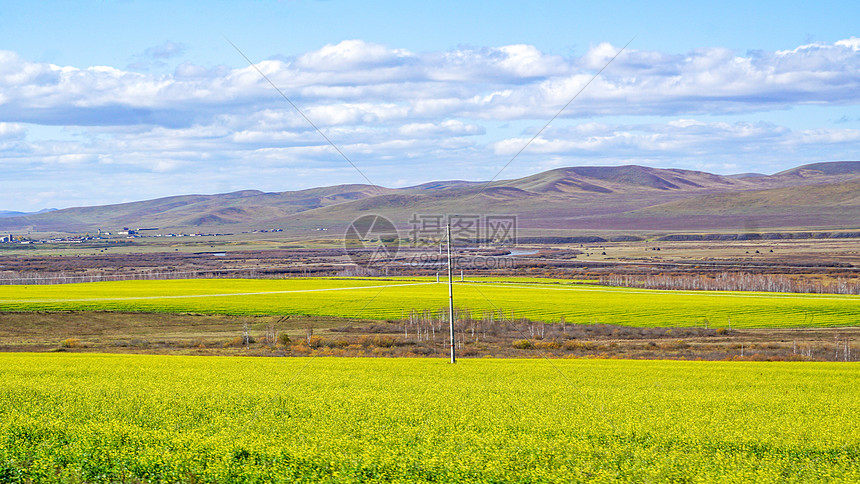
(404, 115)
(852, 43)
(508, 82)
(449, 127)
(11, 130)
(599, 55)
(350, 55)
(688, 142)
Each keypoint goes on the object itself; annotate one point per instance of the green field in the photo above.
(392, 298)
(113, 418)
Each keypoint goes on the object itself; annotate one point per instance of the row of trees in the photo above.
(734, 281)
(49, 278)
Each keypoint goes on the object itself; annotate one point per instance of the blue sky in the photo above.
(106, 102)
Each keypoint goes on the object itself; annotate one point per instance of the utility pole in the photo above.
(450, 294)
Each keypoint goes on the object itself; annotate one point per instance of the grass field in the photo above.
(392, 298)
(116, 418)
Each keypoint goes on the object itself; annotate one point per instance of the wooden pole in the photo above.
(450, 294)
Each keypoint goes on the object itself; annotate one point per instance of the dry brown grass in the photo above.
(224, 335)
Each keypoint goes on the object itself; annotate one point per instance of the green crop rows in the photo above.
(118, 418)
(380, 299)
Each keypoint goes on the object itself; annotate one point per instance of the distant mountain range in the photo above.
(8, 213)
(590, 198)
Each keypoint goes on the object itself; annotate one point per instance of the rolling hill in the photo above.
(591, 198)
(830, 205)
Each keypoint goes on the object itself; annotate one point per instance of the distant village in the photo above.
(125, 233)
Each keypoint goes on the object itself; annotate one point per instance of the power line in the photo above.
(450, 292)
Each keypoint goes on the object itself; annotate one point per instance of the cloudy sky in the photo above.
(113, 101)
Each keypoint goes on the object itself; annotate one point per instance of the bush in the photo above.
(383, 341)
(234, 342)
(522, 344)
(547, 345)
(300, 350)
(572, 345)
(338, 343)
(315, 341)
(284, 339)
(71, 343)
(197, 343)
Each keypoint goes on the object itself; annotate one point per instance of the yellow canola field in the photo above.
(368, 298)
(121, 418)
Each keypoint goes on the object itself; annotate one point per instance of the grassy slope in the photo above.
(550, 199)
(566, 198)
(842, 196)
(830, 168)
(193, 211)
(578, 304)
(89, 418)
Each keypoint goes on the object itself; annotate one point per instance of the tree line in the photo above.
(734, 281)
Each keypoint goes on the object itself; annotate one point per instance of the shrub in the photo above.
(315, 341)
(383, 341)
(71, 343)
(300, 350)
(234, 342)
(547, 345)
(522, 344)
(338, 343)
(572, 345)
(284, 339)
